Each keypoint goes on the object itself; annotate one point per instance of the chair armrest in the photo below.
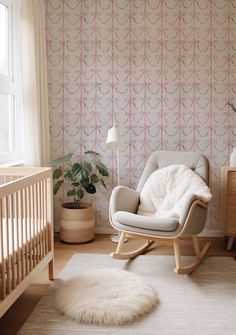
(124, 199)
(187, 205)
(196, 217)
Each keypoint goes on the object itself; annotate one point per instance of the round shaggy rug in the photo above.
(105, 296)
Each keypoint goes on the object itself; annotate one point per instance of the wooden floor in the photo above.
(11, 322)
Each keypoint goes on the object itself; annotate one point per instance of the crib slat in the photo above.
(29, 225)
(36, 223)
(39, 222)
(18, 234)
(32, 220)
(40, 227)
(25, 214)
(42, 218)
(12, 256)
(8, 274)
(45, 218)
(39, 232)
(22, 248)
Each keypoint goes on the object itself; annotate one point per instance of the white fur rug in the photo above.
(201, 304)
(105, 296)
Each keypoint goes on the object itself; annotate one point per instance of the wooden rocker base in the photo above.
(132, 254)
(193, 266)
(200, 254)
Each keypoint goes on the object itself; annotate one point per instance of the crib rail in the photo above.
(26, 224)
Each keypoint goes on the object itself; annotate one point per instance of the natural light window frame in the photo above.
(10, 85)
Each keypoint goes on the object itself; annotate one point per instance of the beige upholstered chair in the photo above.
(124, 204)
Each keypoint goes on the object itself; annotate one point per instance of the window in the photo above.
(4, 50)
(11, 123)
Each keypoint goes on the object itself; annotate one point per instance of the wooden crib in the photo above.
(26, 229)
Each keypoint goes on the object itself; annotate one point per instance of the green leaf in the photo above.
(57, 186)
(57, 173)
(76, 184)
(68, 175)
(76, 168)
(102, 169)
(84, 182)
(94, 179)
(80, 194)
(91, 188)
(87, 166)
(62, 159)
(91, 152)
(86, 169)
(103, 183)
(70, 193)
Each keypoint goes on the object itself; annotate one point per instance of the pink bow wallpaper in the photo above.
(162, 71)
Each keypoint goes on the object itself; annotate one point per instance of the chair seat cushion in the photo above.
(148, 222)
(166, 190)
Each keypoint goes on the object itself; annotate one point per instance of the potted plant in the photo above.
(77, 223)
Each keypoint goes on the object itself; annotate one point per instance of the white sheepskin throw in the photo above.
(167, 189)
(106, 297)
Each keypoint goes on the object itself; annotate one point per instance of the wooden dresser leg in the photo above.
(230, 242)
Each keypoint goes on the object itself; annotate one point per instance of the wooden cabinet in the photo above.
(228, 203)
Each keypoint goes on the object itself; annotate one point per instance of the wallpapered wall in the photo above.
(160, 70)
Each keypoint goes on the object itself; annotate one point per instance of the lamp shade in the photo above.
(113, 138)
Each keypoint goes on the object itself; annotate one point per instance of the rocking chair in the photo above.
(124, 204)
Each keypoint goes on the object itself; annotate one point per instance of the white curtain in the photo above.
(34, 83)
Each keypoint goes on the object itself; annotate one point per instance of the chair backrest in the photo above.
(159, 159)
